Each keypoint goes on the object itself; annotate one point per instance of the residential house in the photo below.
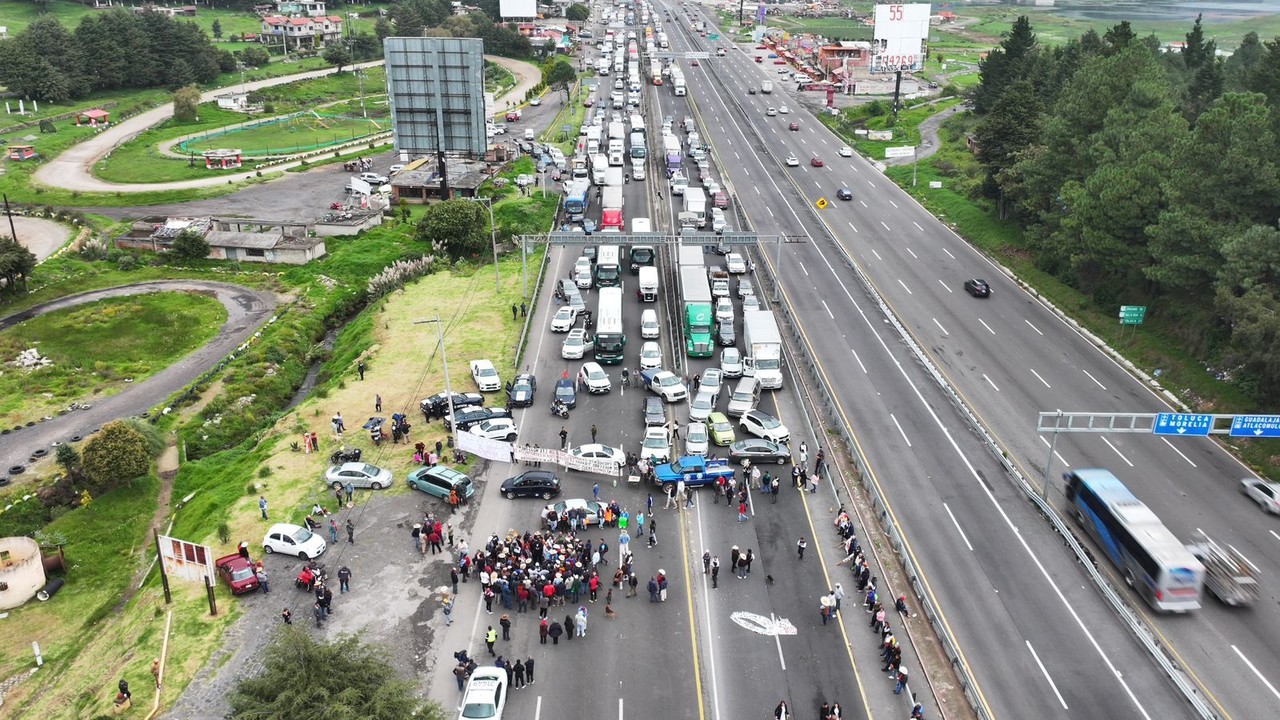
(309, 8)
(295, 32)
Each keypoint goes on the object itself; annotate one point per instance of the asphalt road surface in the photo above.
(247, 310)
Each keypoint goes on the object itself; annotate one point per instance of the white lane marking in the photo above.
(706, 611)
(1046, 384)
(904, 287)
(1117, 450)
(1273, 534)
(873, 252)
(959, 529)
(944, 286)
(1055, 452)
(886, 227)
(864, 204)
(1175, 449)
(913, 222)
(620, 709)
(806, 272)
(864, 372)
(992, 384)
(829, 313)
(900, 430)
(777, 639)
(893, 203)
(1033, 327)
(1043, 670)
(1091, 377)
(537, 709)
(985, 325)
(736, 155)
(944, 330)
(871, 183)
(851, 225)
(757, 189)
(815, 182)
(766, 207)
(1265, 681)
(953, 257)
(917, 257)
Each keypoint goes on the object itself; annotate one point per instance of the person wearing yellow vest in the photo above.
(490, 637)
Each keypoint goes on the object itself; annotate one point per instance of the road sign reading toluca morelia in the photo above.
(1132, 314)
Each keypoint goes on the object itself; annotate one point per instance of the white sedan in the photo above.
(764, 425)
(656, 446)
(735, 263)
(599, 451)
(293, 540)
(595, 378)
(784, 109)
(496, 429)
(846, 151)
(574, 345)
(563, 320)
(1263, 492)
(650, 355)
(792, 161)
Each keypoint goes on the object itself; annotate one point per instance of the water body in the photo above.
(1153, 11)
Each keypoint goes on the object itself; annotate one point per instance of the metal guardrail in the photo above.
(1143, 633)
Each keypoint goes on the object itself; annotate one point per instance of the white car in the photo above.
(745, 288)
(735, 262)
(731, 362)
(563, 320)
(711, 380)
(702, 406)
(574, 345)
(600, 451)
(750, 302)
(718, 223)
(395, 169)
(595, 378)
(656, 446)
(724, 310)
(792, 161)
(712, 187)
(650, 355)
(637, 171)
(293, 540)
(1263, 492)
(485, 376)
(373, 178)
(845, 151)
(535, 102)
(485, 696)
(764, 425)
(783, 109)
(695, 439)
(771, 112)
(496, 429)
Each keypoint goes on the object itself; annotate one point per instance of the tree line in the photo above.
(108, 51)
(1147, 176)
(435, 18)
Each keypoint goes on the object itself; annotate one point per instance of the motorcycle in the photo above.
(340, 456)
(559, 410)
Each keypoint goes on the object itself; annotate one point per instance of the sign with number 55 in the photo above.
(900, 34)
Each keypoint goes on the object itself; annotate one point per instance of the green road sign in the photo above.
(1132, 314)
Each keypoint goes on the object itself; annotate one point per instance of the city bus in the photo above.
(578, 200)
(1152, 560)
(608, 267)
(609, 339)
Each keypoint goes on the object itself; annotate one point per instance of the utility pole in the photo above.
(448, 390)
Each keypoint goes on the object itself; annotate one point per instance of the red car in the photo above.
(237, 573)
(513, 116)
(779, 62)
(588, 102)
(762, 47)
(694, 63)
(759, 59)
(795, 126)
(816, 161)
(720, 200)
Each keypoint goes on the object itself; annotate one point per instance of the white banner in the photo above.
(518, 8)
(527, 453)
(186, 560)
(903, 151)
(495, 450)
(567, 460)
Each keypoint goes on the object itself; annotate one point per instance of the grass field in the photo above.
(95, 348)
(295, 134)
(18, 14)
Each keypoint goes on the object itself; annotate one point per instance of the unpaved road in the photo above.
(41, 237)
(247, 310)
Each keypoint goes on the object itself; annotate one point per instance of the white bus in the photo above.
(1152, 560)
(609, 339)
(608, 267)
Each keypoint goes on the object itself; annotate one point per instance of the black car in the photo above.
(533, 483)
(977, 287)
(655, 411)
(751, 91)
(844, 193)
(435, 404)
(566, 392)
(589, 252)
(759, 450)
(725, 334)
(475, 416)
(520, 391)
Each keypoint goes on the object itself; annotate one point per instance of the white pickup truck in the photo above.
(486, 377)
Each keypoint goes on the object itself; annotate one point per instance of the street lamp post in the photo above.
(493, 238)
(448, 390)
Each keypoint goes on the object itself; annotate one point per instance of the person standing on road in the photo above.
(706, 562)
(446, 605)
(633, 582)
(344, 578)
(518, 671)
(262, 505)
(351, 532)
(755, 477)
(333, 530)
(528, 669)
(262, 580)
(360, 367)
(593, 432)
(319, 613)
(490, 637)
(801, 544)
(774, 487)
(750, 557)
(350, 490)
(564, 437)
(286, 616)
(505, 622)
(595, 489)
(818, 460)
(715, 572)
(783, 713)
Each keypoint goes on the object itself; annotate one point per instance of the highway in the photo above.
(1010, 357)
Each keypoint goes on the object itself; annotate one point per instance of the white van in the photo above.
(648, 285)
(744, 397)
(649, 319)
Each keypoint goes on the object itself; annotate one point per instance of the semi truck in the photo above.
(696, 312)
(764, 348)
(766, 87)
(611, 209)
(613, 177)
(695, 202)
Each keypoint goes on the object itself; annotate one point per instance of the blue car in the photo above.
(566, 393)
(694, 470)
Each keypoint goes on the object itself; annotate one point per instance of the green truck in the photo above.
(696, 297)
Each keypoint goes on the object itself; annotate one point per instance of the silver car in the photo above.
(731, 362)
(650, 355)
(702, 406)
(711, 380)
(361, 475)
(695, 439)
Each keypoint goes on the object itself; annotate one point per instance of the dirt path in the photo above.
(527, 76)
(41, 237)
(929, 141)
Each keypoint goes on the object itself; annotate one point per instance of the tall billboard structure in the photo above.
(518, 8)
(900, 35)
(436, 90)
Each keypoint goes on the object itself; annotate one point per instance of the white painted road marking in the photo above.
(959, 529)
(1052, 684)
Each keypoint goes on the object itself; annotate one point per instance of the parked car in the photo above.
(695, 439)
(520, 391)
(361, 475)
(746, 288)
(566, 392)
(735, 263)
(496, 429)
(725, 334)
(474, 416)
(977, 287)
(574, 345)
(532, 483)
(593, 511)
(731, 362)
(750, 302)
(600, 451)
(563, 320)
(724, 310)
(711, 380)
(650, 355)
(702, 405)
(759, 450)
(654, 411)
(485, 696)
(656, 445)
(293, 540)
(595, 378)
(237, 573)
(721, 429)
(665, 384)
(694, 470)
(439, 481)
(436, 404)
(373, 178)
(485, 376)
(764, 425)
